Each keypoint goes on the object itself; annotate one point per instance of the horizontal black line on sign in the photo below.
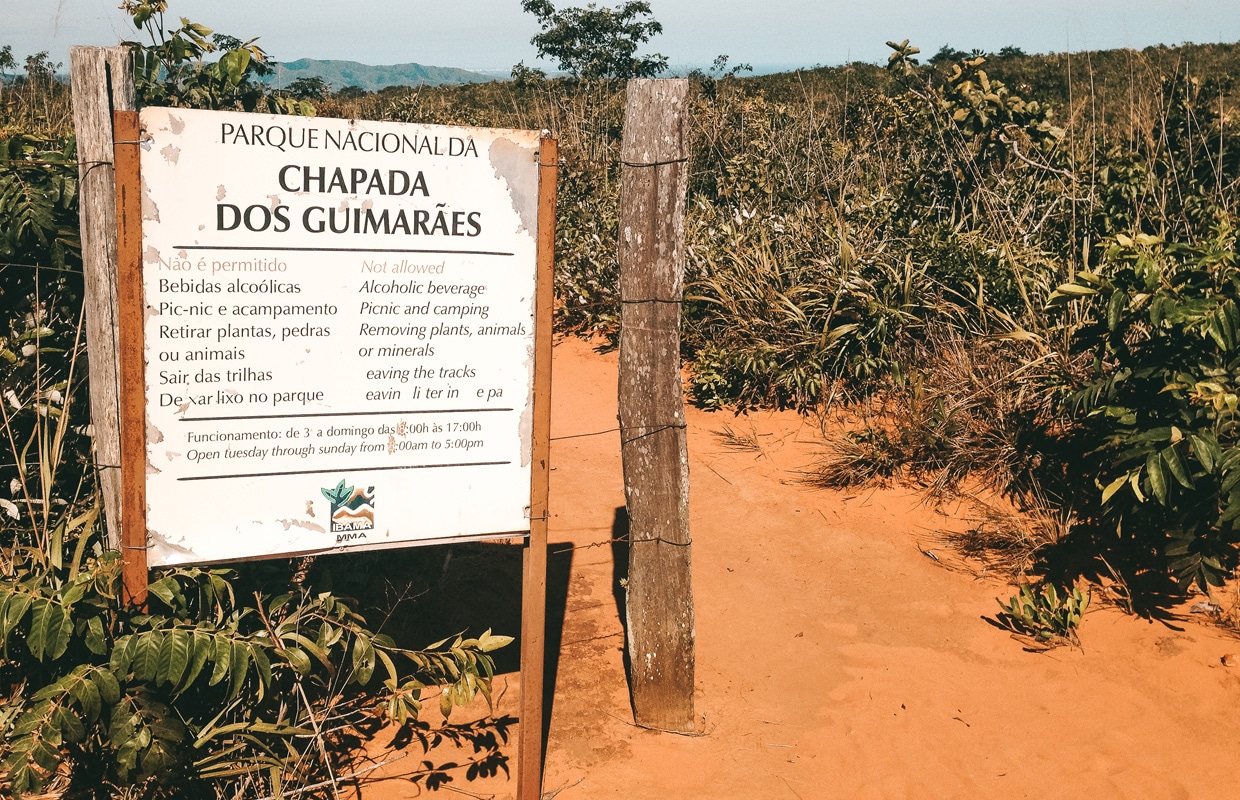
(338, 250)
(348, 414)
(347, 469)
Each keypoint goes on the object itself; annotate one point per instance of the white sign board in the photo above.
(339, 333)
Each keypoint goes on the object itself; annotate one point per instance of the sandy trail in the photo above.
(834, 658)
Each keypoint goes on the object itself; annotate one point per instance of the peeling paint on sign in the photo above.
(511, 163)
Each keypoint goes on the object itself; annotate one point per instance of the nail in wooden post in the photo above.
(131, 340)
(534, 588)
(653, 185)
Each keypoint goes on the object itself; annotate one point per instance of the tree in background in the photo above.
(351, 92)
(595, 42)
(947, 55)
(7, 62)
(313, 88)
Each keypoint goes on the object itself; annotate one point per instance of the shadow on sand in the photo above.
(422, 595)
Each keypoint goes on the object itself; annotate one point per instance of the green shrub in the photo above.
(1043, 615)
(174, 69)
(1159, 414)
(207, 685)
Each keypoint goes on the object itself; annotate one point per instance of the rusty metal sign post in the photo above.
(335, 335)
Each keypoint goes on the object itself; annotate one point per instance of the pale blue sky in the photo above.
(494, 34)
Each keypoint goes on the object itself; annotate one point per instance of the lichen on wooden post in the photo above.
(660, 621)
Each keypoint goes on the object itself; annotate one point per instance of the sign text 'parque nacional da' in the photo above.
(339, 332)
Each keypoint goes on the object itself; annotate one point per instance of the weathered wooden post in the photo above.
(534, 585)
(102, 82)
(652, 415)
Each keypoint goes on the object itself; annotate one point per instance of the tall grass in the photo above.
(35, 102)
(891, 237)
(883, 238)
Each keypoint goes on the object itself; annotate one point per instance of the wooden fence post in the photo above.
(660, 622)
(102, 82)
(534, 582)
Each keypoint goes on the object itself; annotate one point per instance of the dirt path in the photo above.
(835, 659)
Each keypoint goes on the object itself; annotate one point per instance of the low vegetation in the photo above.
(1018, 269)
(1043, 616)
(1018, 272)
(231, 682)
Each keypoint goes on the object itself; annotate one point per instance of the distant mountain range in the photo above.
(372, 78)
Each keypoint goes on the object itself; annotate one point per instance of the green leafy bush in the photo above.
(1160, 411)
(203, 686)
(38, 201)
(174, 69)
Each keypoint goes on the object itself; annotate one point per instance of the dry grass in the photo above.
(1003, 540)
(1223, 613)
(969, 412)
(865, 457)
(970, 423)
(740, 441)
(40, 108)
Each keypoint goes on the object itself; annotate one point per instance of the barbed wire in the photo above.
(560, 547)
(640, 165)
(6, 264)
(584, 435)
(654, 429)
(40, 162)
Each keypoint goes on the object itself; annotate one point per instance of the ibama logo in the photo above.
(353, 511)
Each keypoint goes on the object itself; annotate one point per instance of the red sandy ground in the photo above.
(834, 658)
